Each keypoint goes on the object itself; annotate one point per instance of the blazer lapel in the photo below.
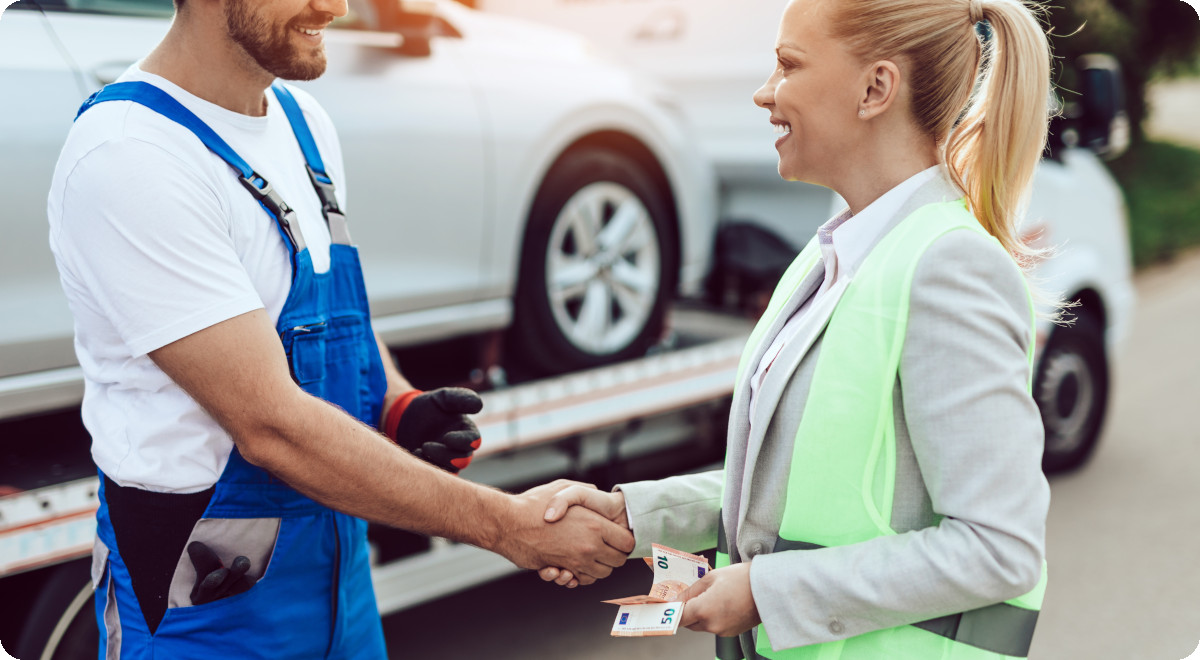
(780, 375)
(739, 414)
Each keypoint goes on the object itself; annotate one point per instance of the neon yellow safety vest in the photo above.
(832, 498)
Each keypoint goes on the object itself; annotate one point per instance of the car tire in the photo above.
(62, 620)
(1071, 390)
(598, 266)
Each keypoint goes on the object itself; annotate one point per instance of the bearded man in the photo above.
(196, 219)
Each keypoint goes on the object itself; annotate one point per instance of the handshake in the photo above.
(570, 532)
(574, 534)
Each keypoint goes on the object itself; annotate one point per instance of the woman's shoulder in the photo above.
(969, 270)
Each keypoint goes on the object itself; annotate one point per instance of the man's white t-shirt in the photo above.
(156, 239)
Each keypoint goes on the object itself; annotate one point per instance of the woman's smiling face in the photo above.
(813, 96)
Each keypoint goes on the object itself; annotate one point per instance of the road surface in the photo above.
(1123, 537)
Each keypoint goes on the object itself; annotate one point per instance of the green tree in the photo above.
(1149, 37)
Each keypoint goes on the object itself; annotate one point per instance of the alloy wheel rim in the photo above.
(1067, 401)
(602, 268)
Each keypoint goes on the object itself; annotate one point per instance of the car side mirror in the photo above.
(415, 45)
(417, 23)
(1103, 123)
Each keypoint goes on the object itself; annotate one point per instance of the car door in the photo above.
(53, 54)
(42, 90)
(413, 143)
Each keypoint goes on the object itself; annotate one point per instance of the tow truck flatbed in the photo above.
(533, 432)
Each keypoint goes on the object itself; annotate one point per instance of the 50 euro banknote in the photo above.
(647, 620)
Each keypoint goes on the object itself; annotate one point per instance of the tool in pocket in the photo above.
(213, 580)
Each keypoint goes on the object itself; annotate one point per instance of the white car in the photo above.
(500, 174)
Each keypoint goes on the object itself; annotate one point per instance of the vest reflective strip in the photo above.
(1000, 628)
(730, 648)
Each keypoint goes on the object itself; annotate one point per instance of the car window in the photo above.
(122, 7)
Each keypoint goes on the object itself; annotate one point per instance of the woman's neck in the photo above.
(884, 161)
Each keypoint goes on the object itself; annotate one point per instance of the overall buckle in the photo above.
(325, 191)
(339, 232)
(270, 199)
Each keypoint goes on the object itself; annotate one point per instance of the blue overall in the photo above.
(315, 599)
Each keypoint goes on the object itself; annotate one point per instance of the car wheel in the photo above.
(598, 265)
(62, 622)
(1071, 390)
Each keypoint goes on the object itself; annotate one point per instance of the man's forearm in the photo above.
(323, 453)
(332, 458)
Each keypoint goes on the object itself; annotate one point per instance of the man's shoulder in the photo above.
(129, 125)
(116, 140)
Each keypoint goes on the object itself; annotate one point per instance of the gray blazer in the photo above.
(970, 499)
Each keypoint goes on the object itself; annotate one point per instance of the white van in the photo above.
(713, 54)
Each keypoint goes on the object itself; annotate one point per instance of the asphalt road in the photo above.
(1123, 536)
(1124, 533)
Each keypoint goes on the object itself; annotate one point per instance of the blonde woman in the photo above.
(882, 495)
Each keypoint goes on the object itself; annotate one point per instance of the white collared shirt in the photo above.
(844, 247)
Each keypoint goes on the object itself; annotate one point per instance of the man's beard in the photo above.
(271, 45)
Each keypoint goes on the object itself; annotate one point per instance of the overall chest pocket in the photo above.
(332, 360)
(305, 346)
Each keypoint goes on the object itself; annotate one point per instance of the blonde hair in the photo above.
(985, 101)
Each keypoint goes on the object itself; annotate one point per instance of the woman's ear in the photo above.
(882, 89)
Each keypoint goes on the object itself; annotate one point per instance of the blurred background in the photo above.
(572, 206)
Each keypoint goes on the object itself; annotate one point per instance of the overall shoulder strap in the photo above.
(164, 104)
(321, 181)
(304, 136)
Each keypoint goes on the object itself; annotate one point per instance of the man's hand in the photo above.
(434, 425)
(721, 602)
(581, 541)
(609, 505)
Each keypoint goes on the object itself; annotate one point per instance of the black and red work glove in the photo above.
(434, 426)
(213, 580)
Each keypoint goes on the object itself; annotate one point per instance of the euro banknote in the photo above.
(647, 620)
(658, 612)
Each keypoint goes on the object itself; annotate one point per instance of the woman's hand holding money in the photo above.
(721, 602)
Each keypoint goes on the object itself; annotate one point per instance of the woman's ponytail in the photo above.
(993, 152)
